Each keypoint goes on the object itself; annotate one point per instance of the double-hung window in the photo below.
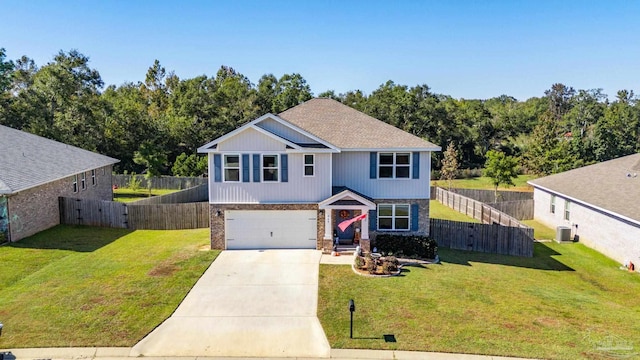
(74, 183)
(394, 165)
(553, 204)
(83, 181)
(93, 177)
(567, 210)
(393, 217)
(270, 168)
(231, 168)
(309, 165)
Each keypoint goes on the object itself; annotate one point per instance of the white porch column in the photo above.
(364, 229)
(328, 234)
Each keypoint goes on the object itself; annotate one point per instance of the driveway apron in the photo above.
(250, 303)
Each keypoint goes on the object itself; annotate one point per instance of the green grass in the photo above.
(439, 211)
(83, 286)
(485, 183)
(540, 231)
(129, 195)
(555, 305)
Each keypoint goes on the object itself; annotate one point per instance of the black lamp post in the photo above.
(352, 309)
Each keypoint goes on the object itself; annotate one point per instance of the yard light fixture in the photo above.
(218, 213)
(352, 309)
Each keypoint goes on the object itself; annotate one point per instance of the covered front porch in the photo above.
(344, 206)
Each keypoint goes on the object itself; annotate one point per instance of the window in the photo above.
(93, 177)
(269, 168)
(231, 168)
(393, 217)
(309, 165)
(74, 183)
(83, 181)
(394, 165)
(553, 204)
(567, 210)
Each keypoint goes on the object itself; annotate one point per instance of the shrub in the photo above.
(3, 237)
(411, 245)
(393, 260)
(370, 265)
(388, 267)
(359, 262)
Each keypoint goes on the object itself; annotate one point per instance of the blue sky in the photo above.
(466, 49)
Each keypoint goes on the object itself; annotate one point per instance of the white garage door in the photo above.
(270, 229)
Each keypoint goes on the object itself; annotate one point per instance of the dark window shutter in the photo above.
(416, 165)
(284, 160)
(373, 220)
(415, 215)
(245, 168)
(217, 168)
(256, 167)
(373, 165)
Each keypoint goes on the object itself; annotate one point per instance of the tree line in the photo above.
(158, 124)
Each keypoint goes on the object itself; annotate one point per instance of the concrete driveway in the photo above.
(249, 303)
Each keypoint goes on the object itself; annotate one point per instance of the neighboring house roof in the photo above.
(612, 186)
(348, 128)
(28, 160)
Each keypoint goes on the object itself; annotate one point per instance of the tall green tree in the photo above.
(616, 133)
(152, 158)
(291, 90)
(501, 168)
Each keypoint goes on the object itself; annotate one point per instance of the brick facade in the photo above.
(423, 217)
(33, 210)
(217, 215)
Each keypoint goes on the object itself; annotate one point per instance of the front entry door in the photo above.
(346, 236)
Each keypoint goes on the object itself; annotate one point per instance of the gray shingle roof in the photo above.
(612, 185)
(348, 128)
(28, 160)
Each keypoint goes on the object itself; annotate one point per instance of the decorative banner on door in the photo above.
(345, 224)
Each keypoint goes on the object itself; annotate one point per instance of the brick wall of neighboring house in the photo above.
(423, 217)
(217, 222)
(36, 209)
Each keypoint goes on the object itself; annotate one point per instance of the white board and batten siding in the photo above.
(270, 229)
(614, 237)
(298, 188)
(352, 169)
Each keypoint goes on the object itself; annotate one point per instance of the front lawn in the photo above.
(484, 183)
(557, 305)
(84, 286)
(129, 195)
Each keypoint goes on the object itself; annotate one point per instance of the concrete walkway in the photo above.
(247, 304)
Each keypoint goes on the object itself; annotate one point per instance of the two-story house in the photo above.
(288, 180)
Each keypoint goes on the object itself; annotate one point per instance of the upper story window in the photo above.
(93, 178)
(270, 168)
(552, 208)
(393, 217)
(567, 210)
(309, 165)
(231, 168)
(74, 183)
(394, 165)
(83, 181)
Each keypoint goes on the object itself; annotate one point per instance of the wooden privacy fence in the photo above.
(132, 216)
(519, 209)
(194, 194)
(488, 196)
(495, 239)
(163, 182)
(476, 209)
